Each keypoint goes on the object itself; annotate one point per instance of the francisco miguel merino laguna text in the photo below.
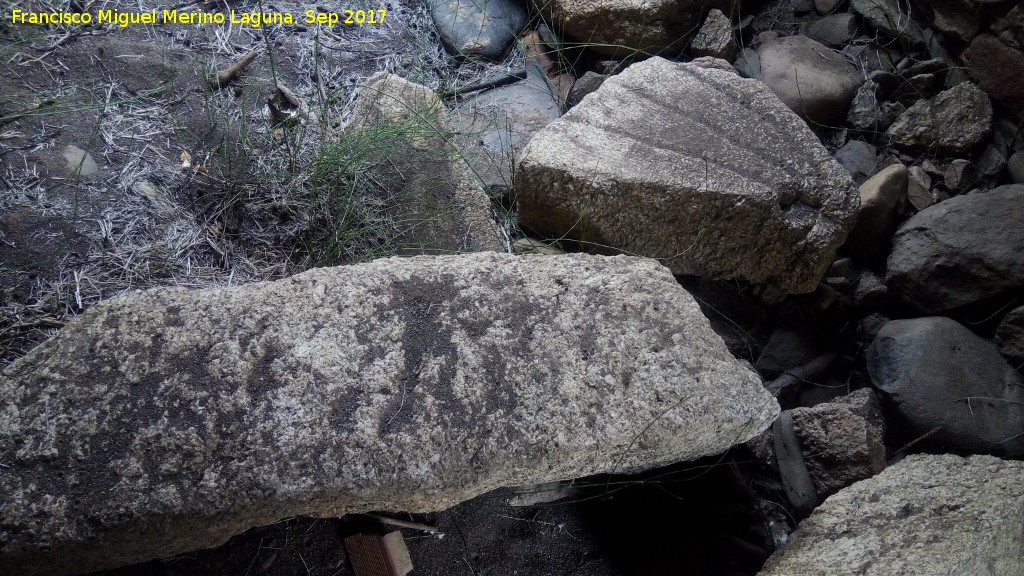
(254, 19)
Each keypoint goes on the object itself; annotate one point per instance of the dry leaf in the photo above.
(186, 160)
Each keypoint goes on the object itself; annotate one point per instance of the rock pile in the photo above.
(840, 184)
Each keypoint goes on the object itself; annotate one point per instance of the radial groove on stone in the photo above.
(697, 166)
(168, 420)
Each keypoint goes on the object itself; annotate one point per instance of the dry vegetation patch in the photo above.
(179, 182)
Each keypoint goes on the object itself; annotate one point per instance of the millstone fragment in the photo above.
(163, 421)
(697, 166)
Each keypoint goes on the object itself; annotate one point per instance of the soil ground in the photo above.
(689, 519)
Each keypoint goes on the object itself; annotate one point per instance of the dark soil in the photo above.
(688, 519)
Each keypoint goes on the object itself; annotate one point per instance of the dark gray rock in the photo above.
(859, 158)
(841, 440)
(960, 175)
(951, 122)
(715, 38)
(1010, 337)
(749, 192)
(881, 198)
(940, 375)
(786, 349)
(826, 6)
(586, 84)
(1010, 28)
(168, 420)
(872, 57)
(960, 251)
(812, 80)
(870, 291)
(909, 67)
(958, 18)
(998, 69)
(991, 162)
(868, 113)
(1015, 166)
(484, 28)
(833, 30)
(890, 17)
(919, 187)
(914, 88)
(923, 516)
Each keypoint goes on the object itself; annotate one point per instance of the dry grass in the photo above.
(245, 215)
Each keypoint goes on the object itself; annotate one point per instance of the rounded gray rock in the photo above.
(940, 375)
(812, 80)
(484, 28)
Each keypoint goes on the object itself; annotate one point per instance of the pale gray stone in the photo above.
(815, 82)
(919, 186)
(940, 375)
(960, 251)
(951, 122)
(924, 516)
(435, 201)
(748, 63)
(163, 421)
(79, 162)
(869, 114)
(728, 183)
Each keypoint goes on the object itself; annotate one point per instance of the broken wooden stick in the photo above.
(801, 373)
(493, 81)
(222, 78)
(406, 524)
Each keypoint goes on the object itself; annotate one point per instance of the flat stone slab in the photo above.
(926, 515)
(163, 421)
(701, 168)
